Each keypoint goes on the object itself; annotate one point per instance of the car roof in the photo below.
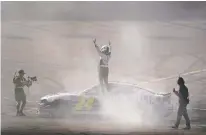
(127, 85)
(113, 85)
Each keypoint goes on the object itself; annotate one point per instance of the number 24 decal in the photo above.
(83, 102)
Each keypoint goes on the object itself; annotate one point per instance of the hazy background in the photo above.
(150, 40)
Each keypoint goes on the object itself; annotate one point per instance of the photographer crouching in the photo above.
(20, 82)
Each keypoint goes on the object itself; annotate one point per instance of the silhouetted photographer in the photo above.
(20, 82)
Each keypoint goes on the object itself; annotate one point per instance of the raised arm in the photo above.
(110, 47)
(98, 49)
(96, 46)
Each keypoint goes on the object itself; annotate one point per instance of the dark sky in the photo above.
(103, 11)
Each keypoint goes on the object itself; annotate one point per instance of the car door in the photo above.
(89, 101)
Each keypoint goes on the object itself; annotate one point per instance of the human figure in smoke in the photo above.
(183, 96)
(20, 82)
(105, 54)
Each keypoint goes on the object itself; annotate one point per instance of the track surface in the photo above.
(70, 126)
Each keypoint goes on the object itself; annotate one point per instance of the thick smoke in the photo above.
(138, 109)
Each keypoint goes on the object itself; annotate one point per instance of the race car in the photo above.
(90, 102)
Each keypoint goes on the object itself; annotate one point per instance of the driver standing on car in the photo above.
(105, 54)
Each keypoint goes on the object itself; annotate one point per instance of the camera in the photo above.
(34, 78)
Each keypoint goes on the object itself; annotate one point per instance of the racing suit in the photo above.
(103, 68)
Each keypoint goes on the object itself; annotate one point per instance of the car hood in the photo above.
(52, 97)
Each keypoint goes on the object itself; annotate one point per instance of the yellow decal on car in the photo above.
(83, 102)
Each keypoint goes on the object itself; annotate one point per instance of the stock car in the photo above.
(89, 102)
